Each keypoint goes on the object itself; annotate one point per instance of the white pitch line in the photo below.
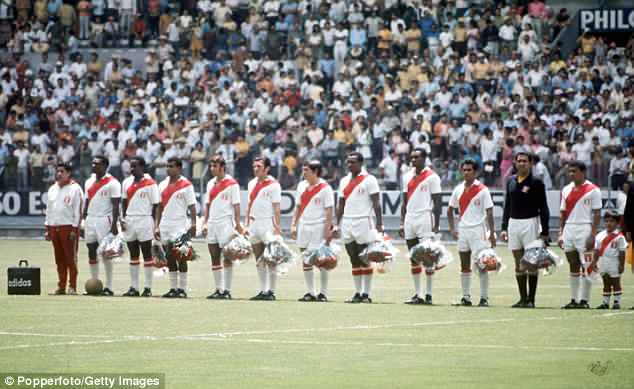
(54, 335)
(617, 314)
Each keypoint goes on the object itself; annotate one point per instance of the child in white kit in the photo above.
(609, 254)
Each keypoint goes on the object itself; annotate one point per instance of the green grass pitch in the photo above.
(286, 344)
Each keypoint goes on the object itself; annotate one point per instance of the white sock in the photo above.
(430, 283)
(367, 284)
(309, 277)
(323, 277)
(586, 288)
(357, 282)
(606, 298)
(94, 270)
(617, 297)
(182, 280)
(134, 276)
(263, 278)
(148, 272)
(228, 270)
(484, 285)
(108, 267)
(416, 279)
(173, 280)
(465, 281)
(575, 281)
(272, 278)
(218, 279)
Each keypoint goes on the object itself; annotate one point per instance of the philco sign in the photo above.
(607, 20)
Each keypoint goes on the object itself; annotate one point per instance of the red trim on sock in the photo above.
(429, 272)
(416, 269)
(357, 271)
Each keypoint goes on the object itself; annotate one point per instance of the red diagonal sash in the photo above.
(144, 182)
(219, 186)
(98, 184)
(575, 195)
(308, 195)
(173, 188)
(256, 191)
(606, 242)
(352, 184)
(414, 182)
(468, 195)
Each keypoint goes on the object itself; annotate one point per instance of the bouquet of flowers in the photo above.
(489, 260)
(182, 248)
(111, 247)
(431, 254)
(324, 257)
(238, 249)
(540, 257)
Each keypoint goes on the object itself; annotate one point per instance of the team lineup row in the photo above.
(166, 211)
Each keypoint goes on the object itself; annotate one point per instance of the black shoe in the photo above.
(181, 294)
(583, 304)
(571, 305)
(428, 300)
(258, 297)
(483, 303)
(356, 299)
(226, 295)
(172, 293)
(269, 296)
(147, 292)
(415, 300)
(107, 292)
(529, 305)
(215, 295)
(465, 302)
(603, 306)
(519, 304)
(365, 298)
(322, 298)
(307, 298)
(131, 293)
(616, 306)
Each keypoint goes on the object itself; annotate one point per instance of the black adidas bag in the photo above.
(23, 279)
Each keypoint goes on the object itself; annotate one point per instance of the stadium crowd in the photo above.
(301, 80)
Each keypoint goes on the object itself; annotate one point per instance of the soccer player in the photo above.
(63, 216)
(473, 201)
(578, 226)
(525, 210)
(221, 218)
(420, 216)
(140, 214)
(263, 216)
(359, 197)
(609, 253)
(101, 214)
(177, 199)
(312, 223)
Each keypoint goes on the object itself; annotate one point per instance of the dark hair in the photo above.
(526, 154)
(139, 160)
(612, 214)
(471, 162)
(103, 159)
(265, 160)
(357, 155)
(66, 166)
(315, 166)
(421, 151)
(218, 159)
(579, 165)
(176, 161)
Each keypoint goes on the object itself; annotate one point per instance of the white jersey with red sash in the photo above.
(262, 195)
(221, 196)
(312, 201)
(578, 202)
(471, 202)
(609, 245)
(99, 194)
(357, 191)
(176, 198)
(419, 189)
(140, 195)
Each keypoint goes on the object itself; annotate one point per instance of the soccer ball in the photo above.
(94, 287)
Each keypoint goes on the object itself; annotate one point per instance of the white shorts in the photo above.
(576, 236)
(259, 229)
(220, 231)
(360, 230)
(473, 239)
(421, 227)
(609, 267)
(139, 228)
(310, 236)
(96, 228)
(171, 231)
(523, 232)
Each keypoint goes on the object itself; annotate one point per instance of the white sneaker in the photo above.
(72, 292)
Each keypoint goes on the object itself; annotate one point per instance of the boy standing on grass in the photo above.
(610, 246)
